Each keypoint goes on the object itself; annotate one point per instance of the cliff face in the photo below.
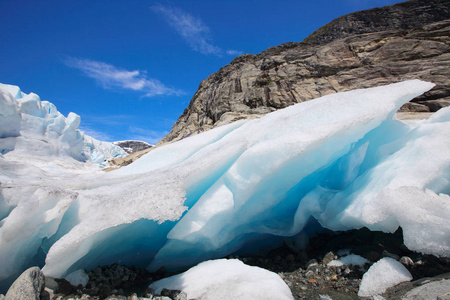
(330, 61)
(407, 15)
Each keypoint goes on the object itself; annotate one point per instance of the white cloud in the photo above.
(193, 30)
(109, 76)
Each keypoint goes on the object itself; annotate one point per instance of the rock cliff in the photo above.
(360, 50)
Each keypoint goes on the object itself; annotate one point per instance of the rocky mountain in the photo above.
(132, 146)
(360, 50)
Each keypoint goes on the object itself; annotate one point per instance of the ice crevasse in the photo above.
(341, 161)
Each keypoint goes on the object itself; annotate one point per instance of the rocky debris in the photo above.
(28, 286)
(132, 146)
(253, 85)
(113, 282)
(309, 272)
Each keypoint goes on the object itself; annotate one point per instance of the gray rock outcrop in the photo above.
(28, 286)
(390, 49)
(132, 146)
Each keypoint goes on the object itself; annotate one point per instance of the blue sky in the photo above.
(130, 68)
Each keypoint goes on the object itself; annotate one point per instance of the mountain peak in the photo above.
(409, 40)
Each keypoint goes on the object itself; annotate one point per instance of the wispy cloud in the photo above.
(192, 29)
(109, 76)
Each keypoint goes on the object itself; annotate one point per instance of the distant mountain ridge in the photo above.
(402, 16)
(131, 146)
(409, 40)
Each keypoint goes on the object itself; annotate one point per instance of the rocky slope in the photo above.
(364, 49)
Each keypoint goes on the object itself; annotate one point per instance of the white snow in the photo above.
(342, 159)
(383, 274)
(349, 260)
(225, 279)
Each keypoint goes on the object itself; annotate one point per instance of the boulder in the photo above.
(28, 286)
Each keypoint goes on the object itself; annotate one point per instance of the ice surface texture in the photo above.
(342, 160)
(226, 279)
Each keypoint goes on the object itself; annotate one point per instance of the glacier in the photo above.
(341, 162)
(30, 127)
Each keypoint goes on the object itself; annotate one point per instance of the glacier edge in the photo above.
(342, 159)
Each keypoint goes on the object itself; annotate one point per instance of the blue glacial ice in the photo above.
(342, 162)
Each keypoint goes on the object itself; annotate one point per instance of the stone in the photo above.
(407, 261)
(445, 296)
(309, 274)
(328, 258)
(432, 290)
(312, 263)
(64, 287)
(149, 293)
(29, 285)
(174, 294)
(114, 297)
(47, 294)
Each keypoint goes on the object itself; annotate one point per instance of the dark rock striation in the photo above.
(410, 40)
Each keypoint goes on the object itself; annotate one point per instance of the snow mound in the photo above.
(226, 279)
(30, 127)
(341, 161)
(383, 274)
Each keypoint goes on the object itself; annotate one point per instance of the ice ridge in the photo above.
(341, 161)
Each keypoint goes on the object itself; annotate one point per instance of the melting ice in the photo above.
(341, 161)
